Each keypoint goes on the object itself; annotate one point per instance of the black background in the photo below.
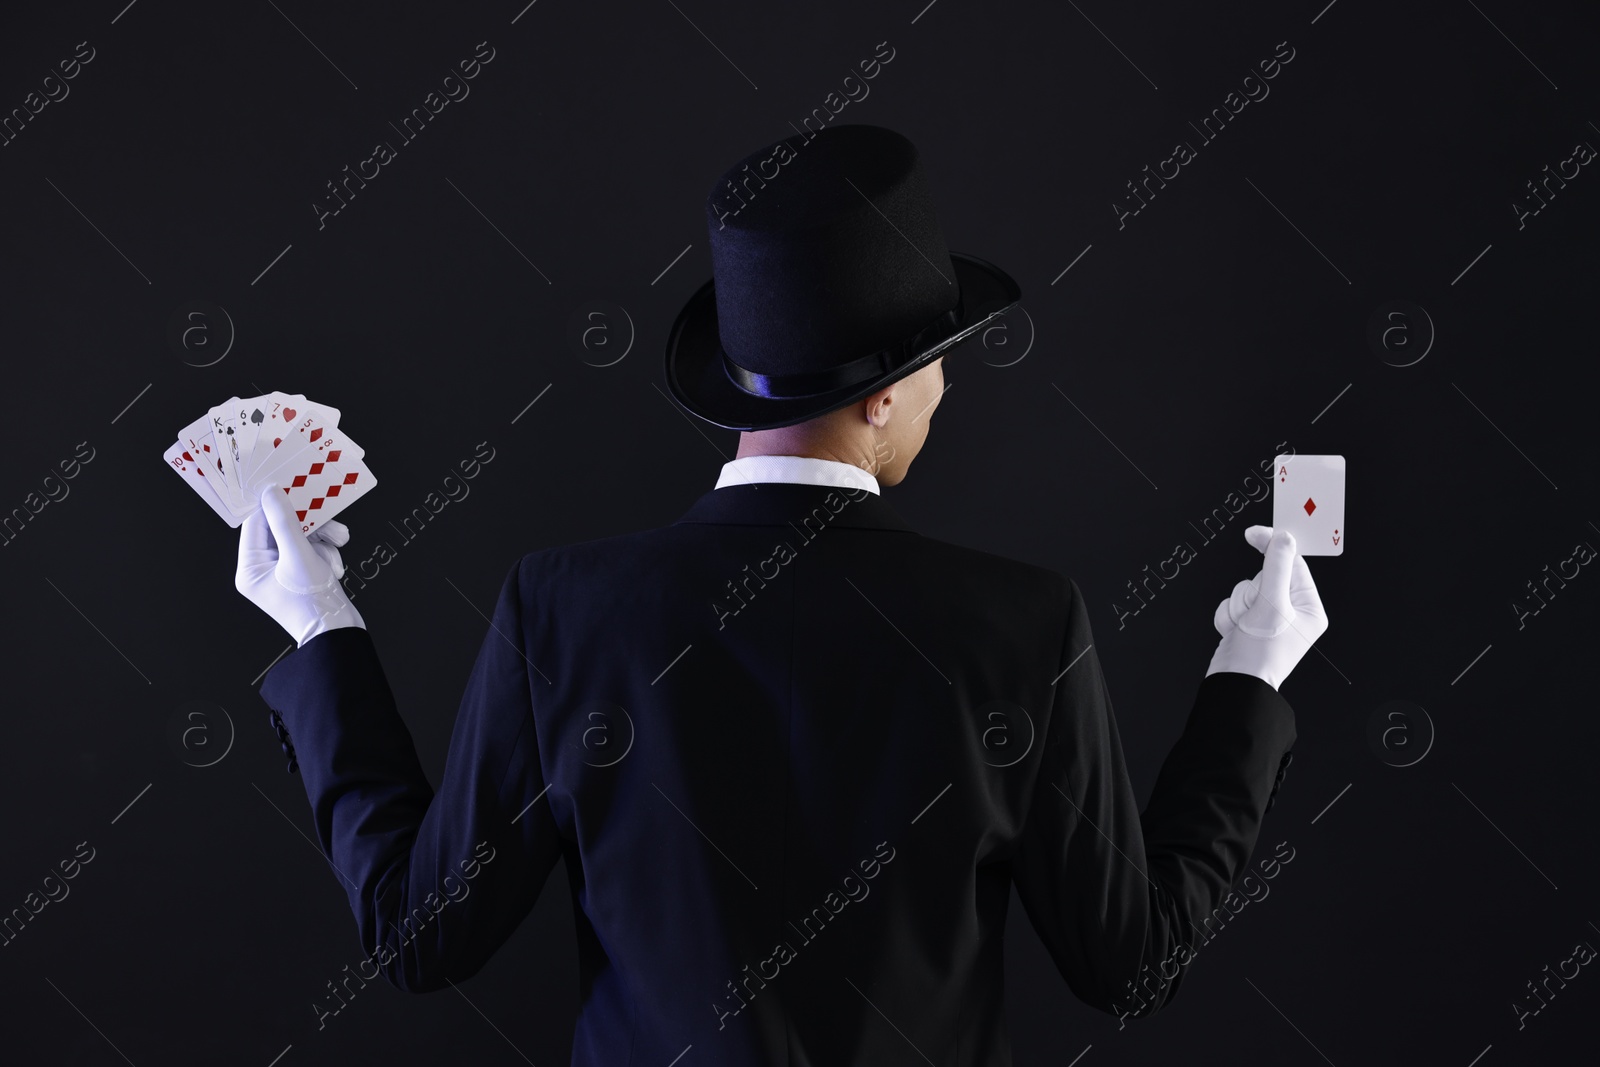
(1171, 361)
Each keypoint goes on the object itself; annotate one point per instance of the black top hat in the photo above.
(830, 280)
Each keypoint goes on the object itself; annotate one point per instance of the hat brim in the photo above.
(697, 379)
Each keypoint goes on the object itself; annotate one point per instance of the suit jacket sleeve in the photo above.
(1121, 901)
(437, 882)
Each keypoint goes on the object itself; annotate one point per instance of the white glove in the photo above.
(292, 576)
(1270, 621)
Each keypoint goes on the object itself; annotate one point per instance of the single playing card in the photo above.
(322, 483)
(180, 459)
(1308, 499)
(333, 446)
(251, 415)
(224, 435)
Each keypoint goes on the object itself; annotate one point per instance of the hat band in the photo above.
(873, 365)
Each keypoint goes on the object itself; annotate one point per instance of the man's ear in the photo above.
(878, 404)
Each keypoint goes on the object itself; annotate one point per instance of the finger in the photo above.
(1222, 619)
(1258, 536)
(295, 554)
(333, 532)
(1239, 601)
(1243, 598)
(331, 554)
(335, 560)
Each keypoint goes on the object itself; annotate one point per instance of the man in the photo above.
(794, 754)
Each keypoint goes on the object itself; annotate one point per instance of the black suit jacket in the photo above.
(795, 756)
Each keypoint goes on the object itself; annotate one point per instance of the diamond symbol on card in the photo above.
(333, 457)
(332, 490)
(299, 480)
(1310, 505)
(316, 468)
(315, 434)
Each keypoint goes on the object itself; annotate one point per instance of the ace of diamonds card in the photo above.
(1308, 500)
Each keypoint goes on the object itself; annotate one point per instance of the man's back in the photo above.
(796, 754)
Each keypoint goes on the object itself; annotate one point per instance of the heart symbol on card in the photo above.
(288, 414)
(276, 441)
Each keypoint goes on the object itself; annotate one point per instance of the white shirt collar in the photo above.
(803, 469)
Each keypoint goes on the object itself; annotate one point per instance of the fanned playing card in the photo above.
(183, 461)
(322, 483)
(242, 445)
(249, 417)
(225, 436)
(1308, 499)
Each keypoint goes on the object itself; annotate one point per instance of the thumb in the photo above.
(256, 551)
(1258, 536)
(1269, 615)
(300, 569)
(255, 537)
